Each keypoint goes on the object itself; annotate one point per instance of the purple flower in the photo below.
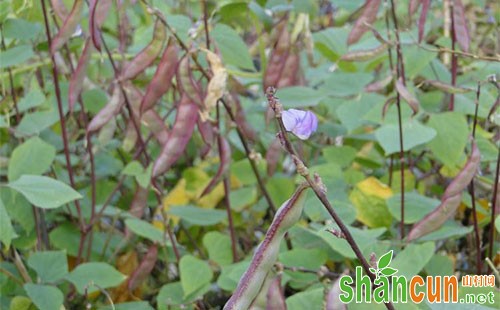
(300, 123)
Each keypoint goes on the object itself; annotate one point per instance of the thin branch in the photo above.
(479, 266)
(55, 77)
(227, 191)
(316, 185)
(205, 22)
(400, 73)
(11, 82)
(494, 202)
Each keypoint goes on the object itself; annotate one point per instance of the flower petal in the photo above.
(300, 123)
(306, 126)
(291, 118)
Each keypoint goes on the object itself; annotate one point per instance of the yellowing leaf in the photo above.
(217, 85)
(369, 198)
(210, 200)
(449, 171)
(196, 181)
(396, 181)
(373, 187)
(177, 196)
(126, 264)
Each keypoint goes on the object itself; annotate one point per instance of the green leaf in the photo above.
(280, 189)
(199, 216)
(416, 59)
(219, 247)
(7, 232)
(231, 274)
(311, 299)
(132, 305)
(20, 302)
(452, 135)
(353, 113)
(299, 96)
(195, 274)
(44, 192)
(364, 238)
(331, 42)
(242, 197)
(144, 229)
(133, 168)
(15, 55)
(94, 100)
(170, 294)
(45, 297)
(36, 122)
(234, 51)
(450, 229)
(21, 29)
(413, 259)
(143, 176)
(32, 100)
(497, 223)
(341, 155)
(440, 265)
(385, 260)
(32, 157)
(50, 266)
(416, 206)
(65, 237)
(307, 258)
(342, 84)
(101, 274)
(414, 134)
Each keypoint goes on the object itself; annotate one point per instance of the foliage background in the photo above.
(82, 222)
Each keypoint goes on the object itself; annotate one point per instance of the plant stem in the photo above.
(494, 202)
(400, 73)
(55, 77)
(454, 60)
(11, 82)
(205, 21)
(227, 192)
(317, 188)
(479, 266)
(232, 233)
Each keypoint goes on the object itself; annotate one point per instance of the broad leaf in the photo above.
(413, 259)
(86, 275)
(452, 135)
(195, 274)
(199, 216)
(45, 297)
(50, 266)
(233, 49)
(414, 134)
(144, 229)
(32, 157)
(44, 192)
(7, 232)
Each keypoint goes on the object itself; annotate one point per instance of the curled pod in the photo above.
(267, 252)
(147, 55)
(162, 80)
(185, 121)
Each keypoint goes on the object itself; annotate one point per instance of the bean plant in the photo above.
(246, 154)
